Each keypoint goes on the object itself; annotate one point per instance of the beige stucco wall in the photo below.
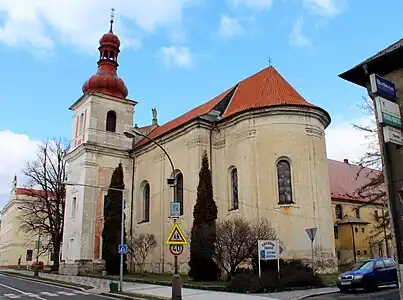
(91, 162)
(253, 142)
(14, 242)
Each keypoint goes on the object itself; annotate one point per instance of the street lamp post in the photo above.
(176, 280)
(122, 225)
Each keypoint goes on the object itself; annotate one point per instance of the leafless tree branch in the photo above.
(44, 210)
(237, 240)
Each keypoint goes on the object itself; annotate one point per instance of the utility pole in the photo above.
(388, 179)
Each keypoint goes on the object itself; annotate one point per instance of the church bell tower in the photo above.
(98, 145)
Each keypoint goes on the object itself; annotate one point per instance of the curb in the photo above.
(314, 295)
(47, 281)
(134, 297)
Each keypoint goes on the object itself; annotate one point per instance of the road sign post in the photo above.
(176, 239)
(311, 232)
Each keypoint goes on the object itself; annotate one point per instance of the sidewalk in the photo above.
(102, 286)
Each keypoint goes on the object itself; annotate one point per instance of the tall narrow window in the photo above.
(179, 190)
(336, 232)
(339, 211)
(376, 215)
(284, 182)
(111, 121)
(234, 188)
(80, 130)
(357, 212)
(146, 203)
(73, 207)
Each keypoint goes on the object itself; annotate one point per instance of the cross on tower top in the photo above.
(269, 61)
(112, 17)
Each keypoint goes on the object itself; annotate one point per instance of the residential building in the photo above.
(355, 217)
(16, 243)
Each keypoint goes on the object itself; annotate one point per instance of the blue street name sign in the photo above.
(123, 249)
(382, 87)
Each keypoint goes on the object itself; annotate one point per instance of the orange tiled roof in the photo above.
(263, 89)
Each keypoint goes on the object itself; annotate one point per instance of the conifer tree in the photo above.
(112, 223)
(203, 235)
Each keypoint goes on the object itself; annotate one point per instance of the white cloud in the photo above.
(42, 23)
(344, 141)
(176, 56)
(230, 27)
(253, 4)
(325, 8)
(15, 151)
(296, 37)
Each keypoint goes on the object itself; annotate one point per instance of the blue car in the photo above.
(369, 275)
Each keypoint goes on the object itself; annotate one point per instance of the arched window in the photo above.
(284, 182)
(179, 190)
(234, 188)
(146, 202)
(111, 121)
(339, 211)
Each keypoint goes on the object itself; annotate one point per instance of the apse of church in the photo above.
(266, 147)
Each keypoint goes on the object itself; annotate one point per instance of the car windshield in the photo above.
(364, 265)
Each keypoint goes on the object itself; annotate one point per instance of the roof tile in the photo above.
(263, 89)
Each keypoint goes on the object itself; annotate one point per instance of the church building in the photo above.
(267, 153)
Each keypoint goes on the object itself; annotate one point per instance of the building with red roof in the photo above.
(266, 148)
(15, 244)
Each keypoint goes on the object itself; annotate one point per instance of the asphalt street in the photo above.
(382, 294)
(15, 288)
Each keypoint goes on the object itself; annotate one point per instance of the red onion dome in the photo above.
(107, 83)
(110, 38)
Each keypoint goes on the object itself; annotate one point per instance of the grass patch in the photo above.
(166, 280)
(46, 280)
(329, 279)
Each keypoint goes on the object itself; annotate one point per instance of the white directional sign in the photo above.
(311, 232)
(268, 249)
(123, 249)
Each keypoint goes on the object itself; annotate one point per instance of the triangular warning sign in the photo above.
(176, 236)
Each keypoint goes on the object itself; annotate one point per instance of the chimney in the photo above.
(346, 161)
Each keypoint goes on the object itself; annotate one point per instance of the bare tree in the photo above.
(44, 214)
(140, 246)
(374, 190)
(237, 241)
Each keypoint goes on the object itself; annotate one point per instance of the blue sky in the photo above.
(177, 54)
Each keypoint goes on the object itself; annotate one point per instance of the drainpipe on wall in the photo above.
(132, 196)
(211, 148)
(353, 235)
(131, 152)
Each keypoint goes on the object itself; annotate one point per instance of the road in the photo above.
(382, 294)
(15, 288)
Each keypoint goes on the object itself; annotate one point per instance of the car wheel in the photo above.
(343, 289)
(370, 286)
